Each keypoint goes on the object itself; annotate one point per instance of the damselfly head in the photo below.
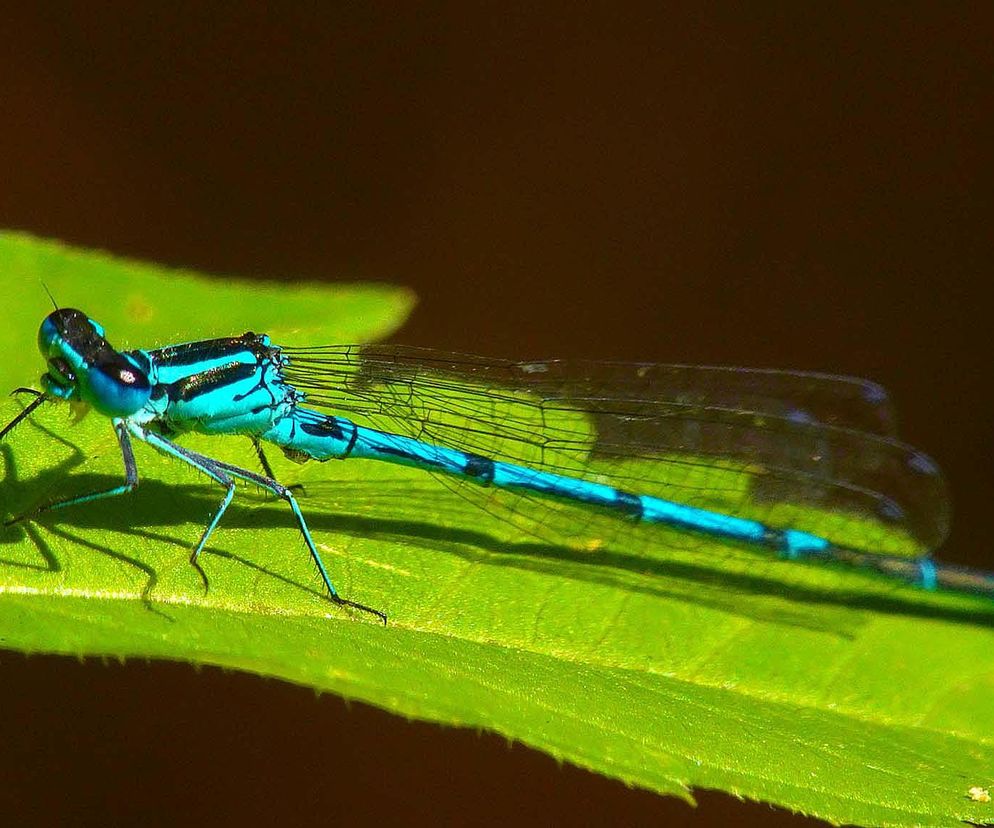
(83, 367)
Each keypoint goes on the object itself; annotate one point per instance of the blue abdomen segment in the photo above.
(324, 438)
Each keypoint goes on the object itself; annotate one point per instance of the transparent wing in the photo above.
(792, 449)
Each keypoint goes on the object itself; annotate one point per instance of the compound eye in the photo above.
(116, 387)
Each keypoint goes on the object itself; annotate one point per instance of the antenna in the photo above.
(54, 303)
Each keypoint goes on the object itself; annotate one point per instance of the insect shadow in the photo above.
(158, 504)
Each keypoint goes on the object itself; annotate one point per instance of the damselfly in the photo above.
(801, 464)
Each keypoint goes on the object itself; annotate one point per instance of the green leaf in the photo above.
(824, 691)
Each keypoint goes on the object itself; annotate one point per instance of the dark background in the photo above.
(773, 186)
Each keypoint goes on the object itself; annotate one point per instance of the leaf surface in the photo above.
(828, 692)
